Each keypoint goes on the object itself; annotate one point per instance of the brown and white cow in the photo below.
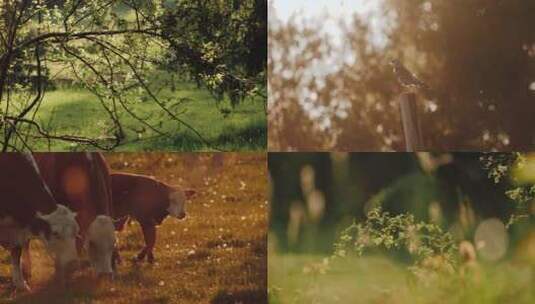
(28, 209)
(148, 201)
(82, 182)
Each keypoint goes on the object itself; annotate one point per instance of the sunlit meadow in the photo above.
(217, 254)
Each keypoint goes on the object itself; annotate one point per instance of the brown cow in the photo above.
(27, 209)
(149, 201)
(82, 182)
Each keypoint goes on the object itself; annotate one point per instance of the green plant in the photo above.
(501, 168)
(382, 230)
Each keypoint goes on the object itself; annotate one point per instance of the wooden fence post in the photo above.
(411, 123)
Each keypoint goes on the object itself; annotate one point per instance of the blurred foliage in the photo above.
(401, 228)
(478, 56)
(453, 191)
(221, 43)
(380, 229)
(505, 167)
(499, 165)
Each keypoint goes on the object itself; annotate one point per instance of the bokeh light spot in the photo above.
(491, 239)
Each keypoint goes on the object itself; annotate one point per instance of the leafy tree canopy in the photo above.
(112, 47)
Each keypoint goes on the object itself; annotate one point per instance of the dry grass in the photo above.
(216, 255)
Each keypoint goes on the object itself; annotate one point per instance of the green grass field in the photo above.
(374, 279)
(78, 112)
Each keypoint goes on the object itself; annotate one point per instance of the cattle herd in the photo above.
(74, 203)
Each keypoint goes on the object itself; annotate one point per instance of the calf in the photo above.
(82, 182)
(27, 209)
(149, 201)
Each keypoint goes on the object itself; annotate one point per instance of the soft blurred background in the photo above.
(469, 213)
(330, 85)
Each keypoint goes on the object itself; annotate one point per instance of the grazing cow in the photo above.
(28, 209)
(149, 201)
(82, 182)
(100, 243)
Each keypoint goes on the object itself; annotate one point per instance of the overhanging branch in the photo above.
(73, 36)
(67, 138)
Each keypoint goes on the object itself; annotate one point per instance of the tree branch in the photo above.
(80, 35)
(156, 100)
(68, 138)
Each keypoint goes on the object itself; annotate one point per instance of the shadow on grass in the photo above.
(5, 287)
(79, 291)
(253, 137)
(235, 243)
(245, 296)
(253, 270)
(78, 112)
(254, 134)
(260, 247)
(134, 272)
(82, 289)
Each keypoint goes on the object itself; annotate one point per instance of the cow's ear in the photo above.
(189, 193)
(41, 216)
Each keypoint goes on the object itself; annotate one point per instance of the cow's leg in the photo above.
(116, 259)
(60, 273)
(84, 219)
(149, 234)
(16, 271)
(119, 226)
(141, 255)
(81, 239)
(26, 261)
(150, 256)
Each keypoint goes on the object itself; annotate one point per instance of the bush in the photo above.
(382, 230)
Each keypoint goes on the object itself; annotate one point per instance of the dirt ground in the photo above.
(217, 254)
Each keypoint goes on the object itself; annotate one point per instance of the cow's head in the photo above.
(58, 230)
(100, 244)
(177, 203)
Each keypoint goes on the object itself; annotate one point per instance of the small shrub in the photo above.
(423, 241)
